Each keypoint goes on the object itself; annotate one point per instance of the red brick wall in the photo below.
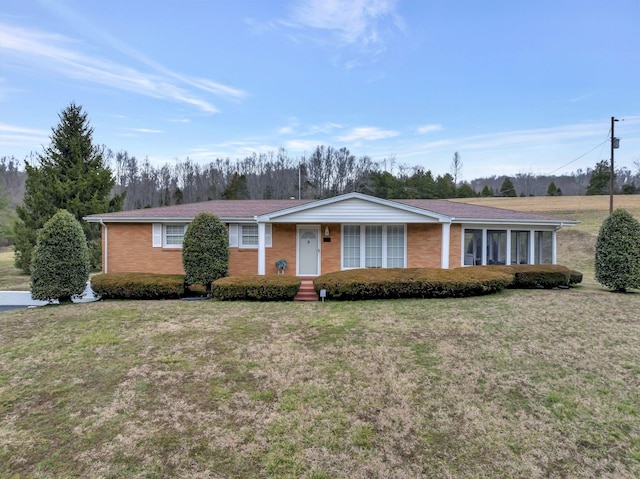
(455, 246)
(423, 245)
(130, 250)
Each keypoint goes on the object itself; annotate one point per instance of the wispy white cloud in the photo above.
(51, 52)
(12, 135)
(369, 133)
(146, 130)
(352, 22)
(424, 129)
(302, 145)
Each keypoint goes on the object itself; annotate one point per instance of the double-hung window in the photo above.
(373, 246)
(246, 235)
(168, 235)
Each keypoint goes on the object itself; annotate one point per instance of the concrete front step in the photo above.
(306, 292)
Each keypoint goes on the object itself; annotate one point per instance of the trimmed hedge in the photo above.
(138, 286)
(412, 283)
(576, 277)
(530, 276)
(256, 288)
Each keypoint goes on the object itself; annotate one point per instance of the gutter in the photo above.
(105, 253)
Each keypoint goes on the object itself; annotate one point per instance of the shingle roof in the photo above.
(248, 209)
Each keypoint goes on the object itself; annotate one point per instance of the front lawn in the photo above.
(535, 383)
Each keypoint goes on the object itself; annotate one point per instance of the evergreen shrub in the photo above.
(60, 260)
(205, 251)
(617, 264)
(256, 288)
(138, 286)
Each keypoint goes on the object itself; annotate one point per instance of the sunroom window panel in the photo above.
(496, 247)
(373, 246)
(351, 246)
(543, 247)
(395, 246)
(519, 247)
(472, 247)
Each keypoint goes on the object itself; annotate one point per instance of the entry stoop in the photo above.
(306, 292)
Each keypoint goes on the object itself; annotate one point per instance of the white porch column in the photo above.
(508, 253)
(554, 259)
(532, 247)
(446, 243)
(261, 249)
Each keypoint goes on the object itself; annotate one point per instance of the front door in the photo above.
(308, 251)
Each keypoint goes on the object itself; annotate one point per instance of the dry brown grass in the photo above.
(11, 278)
(525, 384)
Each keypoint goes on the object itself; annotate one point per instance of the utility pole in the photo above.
(614, 144)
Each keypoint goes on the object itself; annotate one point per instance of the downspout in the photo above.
(105, 252)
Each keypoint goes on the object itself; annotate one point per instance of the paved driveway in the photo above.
(22, 299)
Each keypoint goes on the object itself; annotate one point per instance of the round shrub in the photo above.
(205, 251)
(60, 263)
(617, 264)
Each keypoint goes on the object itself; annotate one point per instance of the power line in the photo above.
(581, 156)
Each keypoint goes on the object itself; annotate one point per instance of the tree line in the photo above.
(74, 174)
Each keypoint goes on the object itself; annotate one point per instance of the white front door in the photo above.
(308, 251)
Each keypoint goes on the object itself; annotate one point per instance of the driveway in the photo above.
(22, 299)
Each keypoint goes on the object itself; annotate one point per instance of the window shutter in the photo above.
(233, 235)
(267, 235)
(157, 235)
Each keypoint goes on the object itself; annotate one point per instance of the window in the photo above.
(395, 246)
(496, 247)
(351, 246)
(519, 247)
(246, 236)
(373, 246)
(543, 247)
(173, 235)
(472, 247)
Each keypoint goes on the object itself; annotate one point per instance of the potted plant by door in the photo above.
(281, 265)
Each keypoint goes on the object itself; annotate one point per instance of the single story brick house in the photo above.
(321, 236)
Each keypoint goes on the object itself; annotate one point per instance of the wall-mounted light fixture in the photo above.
(326, 231)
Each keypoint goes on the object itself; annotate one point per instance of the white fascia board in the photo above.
(488, 223)
(370, 199)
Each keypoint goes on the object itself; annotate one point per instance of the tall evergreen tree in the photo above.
(600, 180)
(507, 188)
(69, 174)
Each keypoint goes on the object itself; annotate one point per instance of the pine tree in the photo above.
(60, 265)
(600, 179)
(205, 251)
(507, 188)
(70, 174)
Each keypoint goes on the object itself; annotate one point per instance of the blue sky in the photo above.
(512, 86)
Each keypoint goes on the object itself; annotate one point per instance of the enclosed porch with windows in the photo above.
(505, 246)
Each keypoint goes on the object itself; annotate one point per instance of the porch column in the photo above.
(554, 258)
(446, 240)
(532, 247)
(261, 249)
(508, 253)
